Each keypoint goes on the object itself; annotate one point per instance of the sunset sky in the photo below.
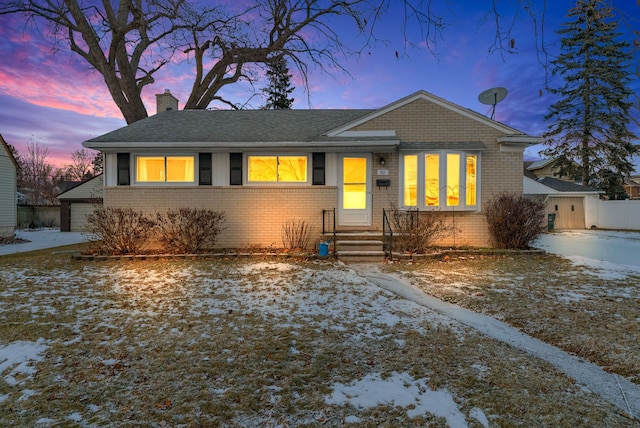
(54, 99)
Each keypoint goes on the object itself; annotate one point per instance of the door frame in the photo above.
(355, 217)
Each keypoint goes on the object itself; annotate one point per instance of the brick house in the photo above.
(632, 186)
(265, 167)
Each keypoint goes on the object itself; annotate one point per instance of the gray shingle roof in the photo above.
(232, 126)
(566, 186)
(540, 164)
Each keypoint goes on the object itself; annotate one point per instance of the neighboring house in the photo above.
(8, 191)
(632, 186)
(79, 201)
(266, 167)
(574, 206)
(546, 168)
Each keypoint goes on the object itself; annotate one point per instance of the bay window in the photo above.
(445, 180)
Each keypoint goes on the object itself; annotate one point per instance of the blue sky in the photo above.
(55, 100)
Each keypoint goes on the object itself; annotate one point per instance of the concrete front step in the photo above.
(358, 245)
(360, 251)
(360, 256)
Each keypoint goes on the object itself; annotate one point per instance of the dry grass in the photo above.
(586, 311)
(253, 343)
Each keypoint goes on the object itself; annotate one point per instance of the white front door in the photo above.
(354, 190)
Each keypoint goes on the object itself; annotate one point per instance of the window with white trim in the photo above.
(440, 179)
(277, 169)
(165, 169)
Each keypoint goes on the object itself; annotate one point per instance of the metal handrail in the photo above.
(388, 241)
(329, 215)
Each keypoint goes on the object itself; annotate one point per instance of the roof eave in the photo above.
(352, 145)
(517, 143)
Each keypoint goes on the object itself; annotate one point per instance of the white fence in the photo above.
(618, 215)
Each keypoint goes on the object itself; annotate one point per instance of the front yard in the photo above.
(589, 310)
(233, 342)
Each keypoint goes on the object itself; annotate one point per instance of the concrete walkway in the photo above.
(42, 239)
(611, 387)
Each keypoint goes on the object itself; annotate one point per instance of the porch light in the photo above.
(382, 160)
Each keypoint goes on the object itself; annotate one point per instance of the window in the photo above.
(165, 169)
(277, 169)
(447, 180)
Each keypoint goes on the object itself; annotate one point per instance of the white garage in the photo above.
(574, 206)
(79, 201)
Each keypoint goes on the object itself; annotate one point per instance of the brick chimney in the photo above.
(166, 102)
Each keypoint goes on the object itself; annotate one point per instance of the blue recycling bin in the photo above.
(323, 249)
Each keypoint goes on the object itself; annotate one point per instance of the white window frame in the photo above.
(442, 178)
(134, 170)
(245, 172)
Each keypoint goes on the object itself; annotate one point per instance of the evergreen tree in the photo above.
(279, 85)
(588, 131)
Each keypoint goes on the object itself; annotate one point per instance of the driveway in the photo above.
(42, 239)
(622, 248)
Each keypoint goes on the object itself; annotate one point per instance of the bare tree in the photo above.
(115, 38)
(81, 166)
(35, 174)
(128, 41)
(97, 164)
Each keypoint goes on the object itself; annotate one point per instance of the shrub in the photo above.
(189, 230)
(296, 234)
(514, 221)
(416, 231)
(119, 230)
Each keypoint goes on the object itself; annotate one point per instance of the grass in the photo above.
(253, 343)
(583, 310)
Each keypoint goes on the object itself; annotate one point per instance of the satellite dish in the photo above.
(492, 97)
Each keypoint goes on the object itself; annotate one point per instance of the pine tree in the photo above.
(279, 85)
(588, 131)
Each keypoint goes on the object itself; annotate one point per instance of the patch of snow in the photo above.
(351, 419)
(26, 394)
(479, 416)
(72, 341)
(18, 357)
(75, 416)
(571, 296)
(619, 248)
(3, 397)
(258, 267)
(45, 422)
(480, 367)
(400, 389)
(604, 269)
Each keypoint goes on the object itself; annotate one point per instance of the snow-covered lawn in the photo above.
(261, 343)
(587, 307)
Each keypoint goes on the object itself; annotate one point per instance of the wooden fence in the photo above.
(30, 216)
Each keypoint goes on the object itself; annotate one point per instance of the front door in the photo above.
(354, 190)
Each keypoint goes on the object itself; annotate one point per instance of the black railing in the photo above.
(404, 221)
(387, 234)
(329, 225)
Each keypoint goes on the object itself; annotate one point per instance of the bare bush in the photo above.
(416, 231)
(514, 221)
(119, 230)
(189, 230)
(296, 234)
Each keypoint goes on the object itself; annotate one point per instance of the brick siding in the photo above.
(254, 215)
